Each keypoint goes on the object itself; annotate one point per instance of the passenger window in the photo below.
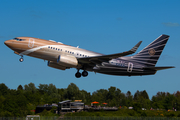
(48, 46)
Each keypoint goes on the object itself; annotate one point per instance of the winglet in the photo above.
(136, 47)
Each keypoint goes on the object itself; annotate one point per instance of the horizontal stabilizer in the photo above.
(158, 68)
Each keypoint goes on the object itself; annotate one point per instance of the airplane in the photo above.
(61, 56)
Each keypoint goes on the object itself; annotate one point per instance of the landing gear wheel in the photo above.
(84, 73)
(78, 75)
(21, 59)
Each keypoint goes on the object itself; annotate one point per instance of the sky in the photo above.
(103, 26)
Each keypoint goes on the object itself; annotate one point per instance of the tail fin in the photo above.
(150, 54)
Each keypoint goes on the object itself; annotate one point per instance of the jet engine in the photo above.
(67, 61)
(55, 65)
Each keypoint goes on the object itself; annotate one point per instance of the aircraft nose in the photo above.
(8, 43)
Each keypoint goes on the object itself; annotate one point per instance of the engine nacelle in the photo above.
(67, 61)
(55, 65)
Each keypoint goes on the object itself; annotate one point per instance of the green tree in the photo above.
(4, 90)
(2, 99)
(158, 100)
(20, 87)
(85, 97)
(30, 87)
(43, 88)
(111, 93)
(169, 101)
(52, 89)
(100, 95)
(72, 92)
(177, 102)
(129, 99)
(142, 98)
(144, 94)
(22, 103)
(137, 106)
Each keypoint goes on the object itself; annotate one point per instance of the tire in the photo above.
(84, 73)
(78, 75)
(21, 59)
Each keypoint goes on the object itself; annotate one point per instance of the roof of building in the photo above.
(64, 101)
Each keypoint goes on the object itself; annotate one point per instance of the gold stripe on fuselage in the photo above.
(46, 50)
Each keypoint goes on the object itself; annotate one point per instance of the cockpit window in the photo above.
(19, 39)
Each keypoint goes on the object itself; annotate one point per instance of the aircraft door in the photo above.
(130, 67)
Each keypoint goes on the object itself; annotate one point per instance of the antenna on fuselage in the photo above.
(77, 46)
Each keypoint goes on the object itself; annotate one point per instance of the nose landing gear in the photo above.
(84, 74)
(21, 59)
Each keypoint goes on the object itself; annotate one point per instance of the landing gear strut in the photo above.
(84, 74)
(21, 59)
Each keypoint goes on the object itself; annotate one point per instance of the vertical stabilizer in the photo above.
(150, 54)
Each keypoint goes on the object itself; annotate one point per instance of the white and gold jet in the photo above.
(63, 57)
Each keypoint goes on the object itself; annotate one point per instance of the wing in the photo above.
(104, 58)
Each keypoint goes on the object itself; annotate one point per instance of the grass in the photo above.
(129, 113)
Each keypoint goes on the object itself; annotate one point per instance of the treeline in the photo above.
(23, 100)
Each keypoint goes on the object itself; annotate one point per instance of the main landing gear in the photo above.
(84, 74)
(21, 59)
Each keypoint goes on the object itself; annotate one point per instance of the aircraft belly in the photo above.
(123, 71)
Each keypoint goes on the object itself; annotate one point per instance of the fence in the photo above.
(89, 118)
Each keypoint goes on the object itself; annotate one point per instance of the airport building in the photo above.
(68, 106)
(64, 106)
(76, 106)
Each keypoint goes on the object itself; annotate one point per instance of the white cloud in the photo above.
(170, 24)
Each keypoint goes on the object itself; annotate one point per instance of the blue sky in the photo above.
(102, 26)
